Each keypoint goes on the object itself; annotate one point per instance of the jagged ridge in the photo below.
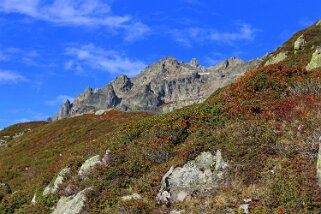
(163, 86)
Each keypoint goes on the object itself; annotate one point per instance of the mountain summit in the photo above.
(162, 87)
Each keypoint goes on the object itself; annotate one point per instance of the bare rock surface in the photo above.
(315, 60)
(163, 86)
(58, 181)
(89, 165)
(71, 205)
(203, 174)
(276, 59)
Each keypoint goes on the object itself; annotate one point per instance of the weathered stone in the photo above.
(167, 82)
(299, 43)
(101, 112)
(315, 60)
(89, 165)
(244, 208)
(131, 197)
(319, 164)
(3, 142)
(318, 23)
(71, 205)
(195, 176)
(277, 58)
(176, 212)
(33, 201)
(58, 181)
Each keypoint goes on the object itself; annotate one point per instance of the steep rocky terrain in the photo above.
(162, 87)
(253, 146)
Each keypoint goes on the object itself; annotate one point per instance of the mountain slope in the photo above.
(264, 129)
(163, 86)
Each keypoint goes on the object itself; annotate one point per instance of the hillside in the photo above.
(252, 146)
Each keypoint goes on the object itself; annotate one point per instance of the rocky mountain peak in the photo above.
(163, 86)
(230, 62)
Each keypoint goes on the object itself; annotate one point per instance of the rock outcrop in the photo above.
(58, 181)
(201, 175)
(89, 165)
(163, 86)
(277, 58)
(71, 205)
(299, 43)
(315, 60)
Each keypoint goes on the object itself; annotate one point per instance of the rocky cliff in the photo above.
(162, 87)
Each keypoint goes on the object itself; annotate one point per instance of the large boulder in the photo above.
(315, 60)
(277, 58)
(89, 165)
(201, 175)
(58, 181)
(71, 205)
(299, 43)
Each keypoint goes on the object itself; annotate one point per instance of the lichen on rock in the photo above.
(88, 165)
(299, 43)
(58, 181)
(277, 58)
(71, 205)
(315, 60)
(203, 174)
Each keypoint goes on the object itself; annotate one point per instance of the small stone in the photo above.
(131, 197)
(3, 142)
(33, 201)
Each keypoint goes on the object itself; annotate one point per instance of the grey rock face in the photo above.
(71, 205)
(58, 181)
(203, 174)
(89, 165)
(277, 58)
(163, 86)
(299, 43)
(315, 60)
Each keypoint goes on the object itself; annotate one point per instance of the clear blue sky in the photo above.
(51, 50)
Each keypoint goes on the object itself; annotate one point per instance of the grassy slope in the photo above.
(270, 118)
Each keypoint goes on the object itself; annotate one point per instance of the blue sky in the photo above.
(51, 50)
